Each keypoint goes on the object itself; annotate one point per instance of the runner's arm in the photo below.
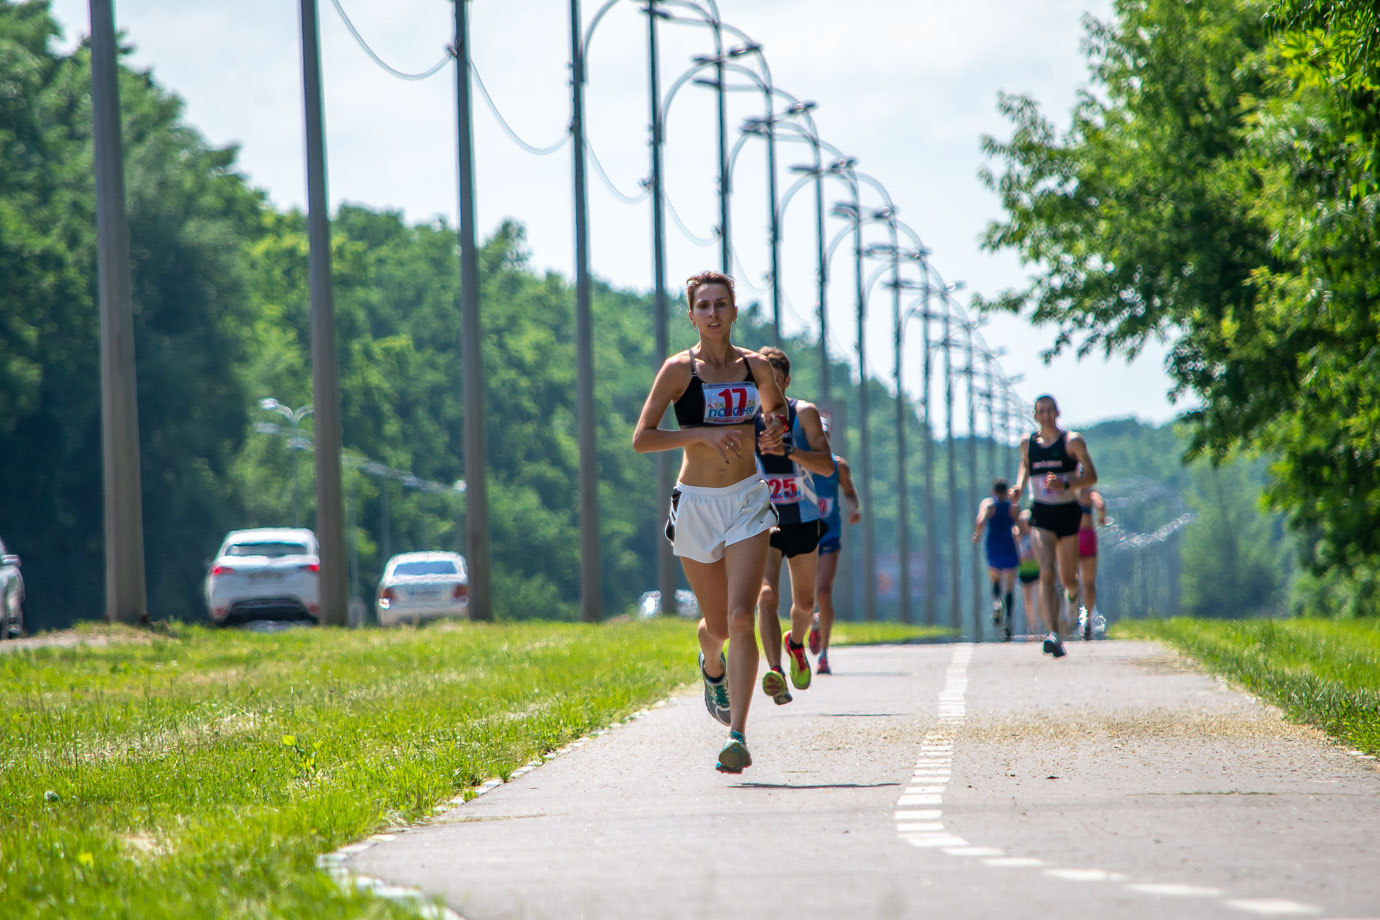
(772, 404)
(984, 512)
(649, 437)
(1079, 449)
(1022, 475)
(849, 491)
(819, 458)
(1099, 504)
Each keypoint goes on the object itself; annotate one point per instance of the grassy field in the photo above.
(189, 772)
(1325, 672)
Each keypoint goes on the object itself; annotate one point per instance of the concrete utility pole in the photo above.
(591, 572)
(471, 343)
(125, 599)
(330, 508)
(667, 571)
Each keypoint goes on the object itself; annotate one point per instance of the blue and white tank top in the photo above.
(792, 487)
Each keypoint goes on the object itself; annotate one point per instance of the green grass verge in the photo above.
(1324, 672)
(198, 773)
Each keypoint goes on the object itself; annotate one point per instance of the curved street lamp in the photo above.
(296, 443)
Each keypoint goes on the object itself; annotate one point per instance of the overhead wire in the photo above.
(507, 128)
(400, 74)
(608, 183)
(675, 217)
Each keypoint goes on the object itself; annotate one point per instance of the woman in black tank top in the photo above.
(720, 515)
(1055, 464)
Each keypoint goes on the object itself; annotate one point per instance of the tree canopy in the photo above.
(1216, 188)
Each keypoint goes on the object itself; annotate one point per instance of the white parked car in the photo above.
(423, 586)
(11, 595)
(268, 573)
(649, 604)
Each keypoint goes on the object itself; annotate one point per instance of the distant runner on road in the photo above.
(1056, 464)
(994, 513)
(796, 538)
(827, 490)
(721, 512)
(1090, 621)
(1028, 571)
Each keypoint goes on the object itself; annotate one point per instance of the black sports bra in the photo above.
(732, 403)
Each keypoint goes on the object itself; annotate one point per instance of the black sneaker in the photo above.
(1054, 645)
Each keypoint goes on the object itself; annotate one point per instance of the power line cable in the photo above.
(608, 183)
(675, 216)
(507, 128)
(742, 275)
(400, 74)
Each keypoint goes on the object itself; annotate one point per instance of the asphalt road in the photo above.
(926, 780)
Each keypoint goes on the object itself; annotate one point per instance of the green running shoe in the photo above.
(800, 665)
(716, 691)
(774, 686)
(734, 757)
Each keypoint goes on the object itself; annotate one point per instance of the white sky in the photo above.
(908, 88)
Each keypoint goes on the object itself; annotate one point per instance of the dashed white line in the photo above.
(1175, 891)
(1274, 907)
(924, 828)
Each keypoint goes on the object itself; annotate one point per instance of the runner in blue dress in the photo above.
(995, 513)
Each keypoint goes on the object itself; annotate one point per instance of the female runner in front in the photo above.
(721, 513)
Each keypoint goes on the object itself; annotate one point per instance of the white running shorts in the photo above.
(704, 520)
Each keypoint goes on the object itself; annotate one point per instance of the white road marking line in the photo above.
(935, 842)
(1086, 875)
(1015, 862)
(1175, 891)
(912, 827)
(1273, 907)
(919, 800)
(928, 814)
(973, 851)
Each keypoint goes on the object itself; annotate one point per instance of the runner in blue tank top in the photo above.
(1002, 558)
(827, 490)
(795, 539)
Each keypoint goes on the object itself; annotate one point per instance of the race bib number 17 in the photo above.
(729, 404)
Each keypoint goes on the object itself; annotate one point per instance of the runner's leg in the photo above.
(727, 610)
(1087, 578)
(1067, 554)
(769, 608)
(1044, 544)
(826, 570)
(804, 575)
(709, 581)
(745, 560)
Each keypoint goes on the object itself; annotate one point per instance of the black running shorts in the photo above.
(1063, 520)
(795, 539)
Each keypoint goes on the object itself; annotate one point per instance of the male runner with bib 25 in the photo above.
(1056, 464)
(721, 512)
(827, 490)
(795, 538)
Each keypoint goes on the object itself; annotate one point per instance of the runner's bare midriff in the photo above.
(704, 466)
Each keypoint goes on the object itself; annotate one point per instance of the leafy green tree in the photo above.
(1233, 563)
(189, 214)
(1217, 188)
